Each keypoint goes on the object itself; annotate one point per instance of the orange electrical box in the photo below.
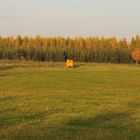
(70, 63)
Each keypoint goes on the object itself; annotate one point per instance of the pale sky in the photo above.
(120, 18)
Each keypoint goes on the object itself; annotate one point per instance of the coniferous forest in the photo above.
(90, 49)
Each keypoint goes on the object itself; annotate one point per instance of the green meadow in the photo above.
(47, 101)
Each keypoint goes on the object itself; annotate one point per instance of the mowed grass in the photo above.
(40, 100)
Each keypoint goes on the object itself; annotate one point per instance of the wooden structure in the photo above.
(69, 63)
(22, 58)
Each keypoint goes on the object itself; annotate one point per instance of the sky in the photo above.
(108, 18)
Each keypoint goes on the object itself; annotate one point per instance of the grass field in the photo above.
(40, 100)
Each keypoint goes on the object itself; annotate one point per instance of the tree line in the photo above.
(90, 49)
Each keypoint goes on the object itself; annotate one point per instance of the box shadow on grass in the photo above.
(107, 120)
(109, 125)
